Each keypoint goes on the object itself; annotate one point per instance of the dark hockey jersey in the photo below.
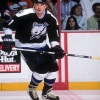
(32, 30)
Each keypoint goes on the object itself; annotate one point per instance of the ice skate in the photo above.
(50, 97)
(33, 94)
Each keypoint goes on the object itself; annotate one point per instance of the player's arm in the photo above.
(7, 38)
(54, 38)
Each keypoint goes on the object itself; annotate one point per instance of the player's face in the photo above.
(39, 7)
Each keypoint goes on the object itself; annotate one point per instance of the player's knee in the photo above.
(38, 76)
(51, 75)
(50, 78)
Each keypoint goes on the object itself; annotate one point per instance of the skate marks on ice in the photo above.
(63, 94)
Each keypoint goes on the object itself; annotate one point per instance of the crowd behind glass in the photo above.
(75, 14)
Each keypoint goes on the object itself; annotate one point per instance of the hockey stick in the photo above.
(46, 52)
(84, 56)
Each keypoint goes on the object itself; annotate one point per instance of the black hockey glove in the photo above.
(59, 52)
(7, 43)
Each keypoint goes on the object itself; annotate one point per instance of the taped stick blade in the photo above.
(95, 57)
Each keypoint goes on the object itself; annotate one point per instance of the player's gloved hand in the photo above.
(59, 52)
(7, 43)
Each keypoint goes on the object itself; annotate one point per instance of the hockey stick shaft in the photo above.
(81, 56)
(20, 49)
(47, 52)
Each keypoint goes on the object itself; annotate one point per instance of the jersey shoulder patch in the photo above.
(25, 12)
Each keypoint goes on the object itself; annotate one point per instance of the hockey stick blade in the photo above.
(94, 57)
(83, 56)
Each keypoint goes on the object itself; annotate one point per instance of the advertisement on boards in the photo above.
(9, 62)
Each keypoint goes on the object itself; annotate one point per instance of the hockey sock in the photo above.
(49, 82)
(46, 89)
(36, 79)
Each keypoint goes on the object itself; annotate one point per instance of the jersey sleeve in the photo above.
(53, 31)
(10, 26)
(11, 23)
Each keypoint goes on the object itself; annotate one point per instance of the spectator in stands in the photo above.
(54, 1)
(50, 7)
(93, 22)
(4, 10)
(30, 3)
(16, 5)
(4, 13)
(55, 8)
(76, 1)
(72, 24)
(24, 7)
(76, 11)
(66, 6)
(87, 7)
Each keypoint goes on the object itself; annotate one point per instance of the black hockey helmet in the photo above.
(39, 1)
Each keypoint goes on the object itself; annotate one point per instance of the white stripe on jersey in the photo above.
(11, 22)
(54, 43)
(25, 12)
(30, 45)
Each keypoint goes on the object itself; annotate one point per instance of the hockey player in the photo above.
(31, 26)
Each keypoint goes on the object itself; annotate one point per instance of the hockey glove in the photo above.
(59, 52)
(7, 43)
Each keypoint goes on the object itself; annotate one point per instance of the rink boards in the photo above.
(74, 73)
